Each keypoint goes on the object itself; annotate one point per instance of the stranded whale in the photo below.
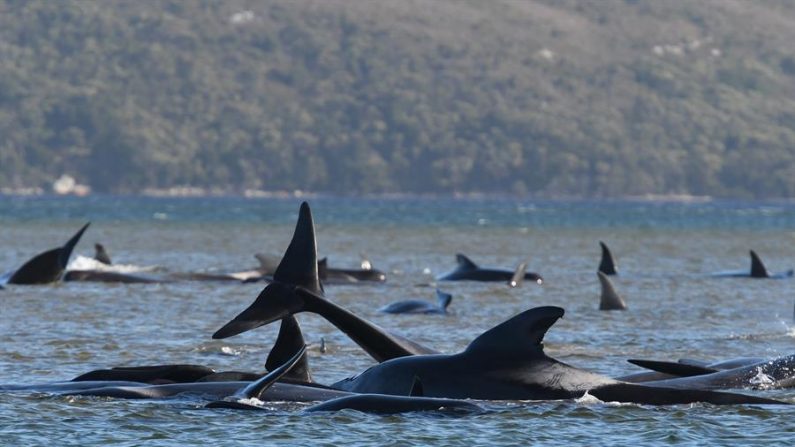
(466, 270)
(420, 307)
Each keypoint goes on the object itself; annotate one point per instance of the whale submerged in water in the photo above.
(466, 270)
(758, 270)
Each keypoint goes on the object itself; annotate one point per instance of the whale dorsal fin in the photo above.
(465, 263)
(443, 299)
(416, 388)
(610, 299)
(48, 266)
(298, 267)
(518, 275)
(256, 388)
(607, 265)
(758, 269)
(289, 341)
(673, 368)
(101, 255)
(267, 264)
(519, 337)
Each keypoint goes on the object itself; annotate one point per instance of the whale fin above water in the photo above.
(518, 275)
(298, 266)
(758, 269)
(100, 255)
(519, 337)
(673, 368)
(443, 299)
(607, 265)
(255, 389)
(49, 266)
(610, 299)
(289, 341)
(464, 263)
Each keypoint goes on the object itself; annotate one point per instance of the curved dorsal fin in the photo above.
(101, 255)
(290, 340)
(518, 275)
(298, 267)
(758, 269)
(607, 265)
(519, 337)
(443, 299)
(465, 263)
(610, 299)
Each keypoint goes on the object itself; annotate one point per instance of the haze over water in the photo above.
(665, 253)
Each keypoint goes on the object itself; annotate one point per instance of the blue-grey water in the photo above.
(665, 253)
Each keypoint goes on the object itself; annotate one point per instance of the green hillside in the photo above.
(543, 97)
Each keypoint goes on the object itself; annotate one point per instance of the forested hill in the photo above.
(543, 97)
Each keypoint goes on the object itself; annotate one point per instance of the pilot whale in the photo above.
(371, 403)
(758, 270)
(296, 287)
(466, 270)
(507, 362)
(48, 266)
(420, 307)
(737, 373)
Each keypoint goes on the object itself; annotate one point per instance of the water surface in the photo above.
(665, 252)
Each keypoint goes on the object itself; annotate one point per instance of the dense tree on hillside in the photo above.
(541, 97)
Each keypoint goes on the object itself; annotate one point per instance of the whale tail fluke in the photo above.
(299, 265)
(289, 341)
(49, 266)
(607, 265)
(610, 299)
(758, 269)
(298, 268)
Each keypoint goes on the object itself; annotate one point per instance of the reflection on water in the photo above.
(664, 252)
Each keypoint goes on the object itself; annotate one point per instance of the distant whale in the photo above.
(469, 271)
(330, 275)
(610, 299)
(420, 307)
(507, 362)
(607, 264)
(758, 270)
(48, 266)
